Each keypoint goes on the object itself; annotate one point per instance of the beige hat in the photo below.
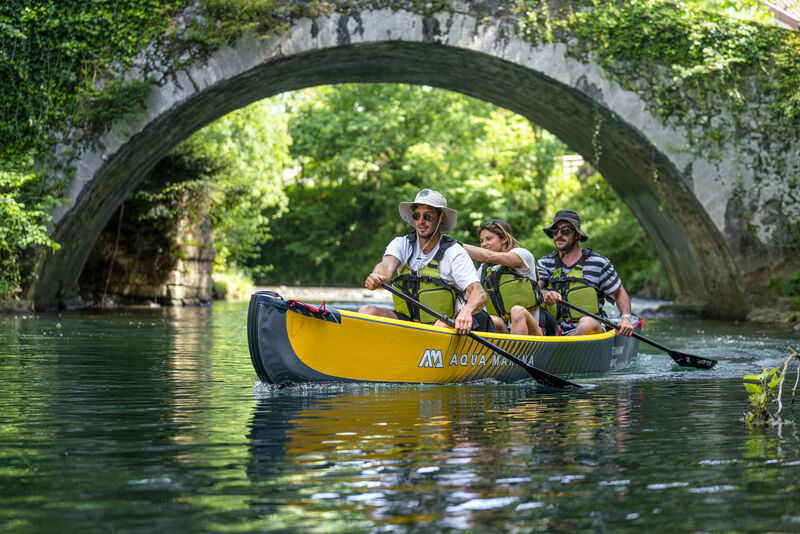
(434, 199)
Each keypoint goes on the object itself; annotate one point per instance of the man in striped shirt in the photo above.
(581, 277)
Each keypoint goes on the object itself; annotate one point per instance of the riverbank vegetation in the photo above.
(305, 187)
(58, 62)
(766, 389)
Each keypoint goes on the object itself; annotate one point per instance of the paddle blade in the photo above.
(689, 360)
(550, 380)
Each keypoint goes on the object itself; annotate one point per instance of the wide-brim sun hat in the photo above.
(567, 216)
(434, 199)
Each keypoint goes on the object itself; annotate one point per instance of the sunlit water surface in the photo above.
(154, 421)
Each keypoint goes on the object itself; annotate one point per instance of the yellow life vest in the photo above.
(574, 289)
(426, 286)
(505, 288)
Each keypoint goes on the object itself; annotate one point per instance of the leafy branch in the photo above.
(767, 388)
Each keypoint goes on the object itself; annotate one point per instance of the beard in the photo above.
(427, 234)
(569, 243)
(431, 231)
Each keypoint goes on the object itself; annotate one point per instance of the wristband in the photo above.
(626, 316)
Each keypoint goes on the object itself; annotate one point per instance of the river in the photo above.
(153, 420)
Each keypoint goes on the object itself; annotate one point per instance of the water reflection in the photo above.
(434, 454)
(148, 421)
(100, 410)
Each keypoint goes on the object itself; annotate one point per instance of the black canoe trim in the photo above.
(269, 341)
(252, 336)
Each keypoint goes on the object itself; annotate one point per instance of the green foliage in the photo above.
(767, 388)
(789, 288)
(762, 391)
(236, 18)
(97, 108)
(612, 228)
(24, 209)
(364, 148)
(177, 187)
(230, 171)
(241, 159)
(62, 64)
(53, 54)
(693, 55)
(232, 284)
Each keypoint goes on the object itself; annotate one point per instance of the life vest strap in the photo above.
(492, 280)
(411, 282)
(564, 284)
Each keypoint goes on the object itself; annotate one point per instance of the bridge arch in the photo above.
(680, 201)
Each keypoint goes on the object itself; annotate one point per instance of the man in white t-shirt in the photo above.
(429, 254)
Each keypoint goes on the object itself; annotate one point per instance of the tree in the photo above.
(242, 158)
(363, 148)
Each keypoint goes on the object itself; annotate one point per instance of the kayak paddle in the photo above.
(539, 375)
(681, 358)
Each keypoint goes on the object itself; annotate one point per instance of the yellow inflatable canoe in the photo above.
(292, 342)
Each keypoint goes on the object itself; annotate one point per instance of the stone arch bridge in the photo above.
(719, 222)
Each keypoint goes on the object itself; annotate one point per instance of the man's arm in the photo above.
(476, 298)
(550, 297)
(624, 306)
(382, 272)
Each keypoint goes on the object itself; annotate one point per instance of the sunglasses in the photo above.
(566, 231)
(493, 223)
(427, 215)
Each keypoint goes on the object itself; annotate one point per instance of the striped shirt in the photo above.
(597, 271)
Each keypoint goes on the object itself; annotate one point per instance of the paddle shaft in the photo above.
(683, 359)
(539, 375)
